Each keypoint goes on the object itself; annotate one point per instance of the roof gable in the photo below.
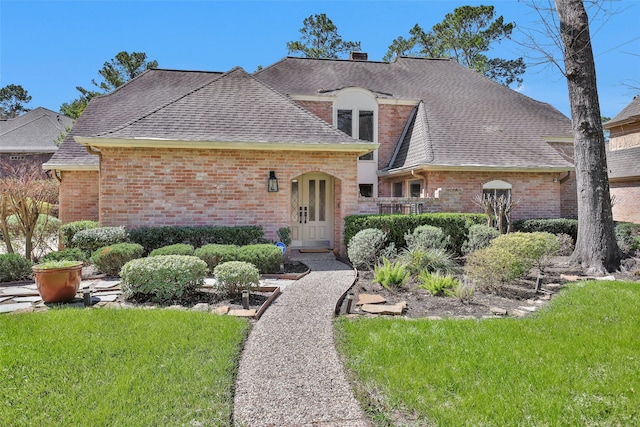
(33, 131)
(630, 113)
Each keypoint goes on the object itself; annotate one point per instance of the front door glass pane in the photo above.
(322, 205)
(294, 201)
(312, 200)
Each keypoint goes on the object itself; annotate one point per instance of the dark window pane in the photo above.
(345, 121)
(397, 189)
(368, 156)
(366, 126)
(414, 189)
(366, 190)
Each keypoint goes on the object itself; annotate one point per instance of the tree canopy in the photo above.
(116, 72)
(320, 39)
(464, 36)
(12, 101)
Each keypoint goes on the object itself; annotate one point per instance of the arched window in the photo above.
(496, 188)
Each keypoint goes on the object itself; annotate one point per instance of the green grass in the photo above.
(576, 362)
(71, 367)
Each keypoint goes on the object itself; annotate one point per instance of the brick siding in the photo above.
(627, 201)
(79, 196)
(625, 136)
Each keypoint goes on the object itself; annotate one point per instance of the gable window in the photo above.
(362, 128)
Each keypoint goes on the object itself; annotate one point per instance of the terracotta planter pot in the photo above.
(58, 284)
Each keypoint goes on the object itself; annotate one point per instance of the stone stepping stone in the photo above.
(518, 313)
(107, 284)
(8, 308)
(209, 282)
(370, 299)
(243, 313)
(3, 299)
(105, 298)
(21, 291)
(570, 277)
(528, 308)
(221, 310)
(394, 310)
(27, 299)
(107, 292)
(498, 311)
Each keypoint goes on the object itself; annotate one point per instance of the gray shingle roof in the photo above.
(468, 119)
(235, 107)
(32, 132)
(629, 114)
(145, 93)
(624, 163)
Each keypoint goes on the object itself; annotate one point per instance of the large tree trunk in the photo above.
(596, 247)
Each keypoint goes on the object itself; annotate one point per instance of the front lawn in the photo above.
(576, 362)
(118, 368)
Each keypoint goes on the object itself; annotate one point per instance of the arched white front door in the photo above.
(312, 211)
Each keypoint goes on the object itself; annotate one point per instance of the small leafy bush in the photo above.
(235, 276)
(284, 234)
(628, 236)
(427, 237)
(565, 244)
(510, 256)
(14, 267)
(70, 229)
(430, 260)
(391, 275)
(92, 239)
(436, 283)
(267, 258)
(214, 254)
(110, 259)
(177, 249)
(69, 254)
(365, 248)
(480, 236)
(463, 291)
(162, 278)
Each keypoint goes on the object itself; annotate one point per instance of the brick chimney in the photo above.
(358, 56)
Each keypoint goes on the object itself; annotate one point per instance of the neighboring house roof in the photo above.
(629, 114)
(465, 119)
(226, 110)
(624, 163)
(32, 132)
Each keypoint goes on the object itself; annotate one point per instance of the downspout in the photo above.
(57, 175)
(93, 151)
(566, 178)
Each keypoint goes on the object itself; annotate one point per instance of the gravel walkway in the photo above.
(290, 373)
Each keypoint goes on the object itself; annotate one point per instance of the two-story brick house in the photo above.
(339, 136)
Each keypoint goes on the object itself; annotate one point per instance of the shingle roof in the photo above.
(145, 93)
(624, 163)
(33, 131)
(235, 107)
(468, 119)
(629, 114)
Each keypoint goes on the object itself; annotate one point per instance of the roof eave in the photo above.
(69, 167)
(360, 148)
(473, 168)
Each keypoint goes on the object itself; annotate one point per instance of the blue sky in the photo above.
(50, 47)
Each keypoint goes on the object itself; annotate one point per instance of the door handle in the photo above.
(300, 215)
(305, 214)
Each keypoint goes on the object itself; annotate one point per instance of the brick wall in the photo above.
(391, 122)
(79, 196)
(142, 187)
(28, 160)
(624, 136)
(627, 201)
(322, 109)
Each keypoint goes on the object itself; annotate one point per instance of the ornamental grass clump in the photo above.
(430, 260)
(163, 278)
(110, 259)
(177, 249)
(233, 277)
(391, 275)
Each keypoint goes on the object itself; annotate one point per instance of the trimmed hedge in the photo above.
(110, 259)
(70, 229)
(177, 249)
(454, 225)
(553, 226)
(217, 254)
(267, 258)
(69, 254)
(156, 237)
(92, 239)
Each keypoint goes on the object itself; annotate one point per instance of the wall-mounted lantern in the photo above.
(273, 182)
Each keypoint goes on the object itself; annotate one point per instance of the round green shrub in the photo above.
(235, 276)
(92, 239)
(14, 267)
(70, 229)
(480, 236)
(162, 278)
(628, 236)
(365, 247)
(267, 258)
(69, 254)
(110, 259)
(177, 249)
(427, 237)
(214, 254)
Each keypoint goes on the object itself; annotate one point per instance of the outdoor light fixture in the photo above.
(273, 182)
